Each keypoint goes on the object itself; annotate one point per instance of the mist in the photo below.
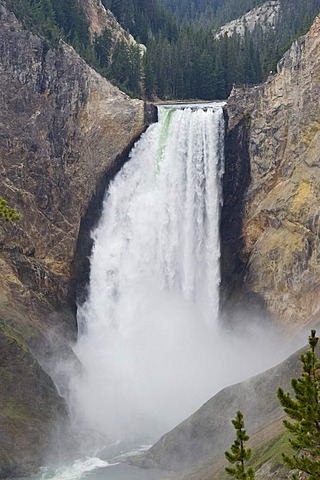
(151, 344)
(140, 384)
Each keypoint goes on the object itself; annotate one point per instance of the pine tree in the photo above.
(304, 410)
(103, 47)
(7, 213)
(239, 455)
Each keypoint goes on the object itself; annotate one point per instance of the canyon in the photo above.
(64, 132)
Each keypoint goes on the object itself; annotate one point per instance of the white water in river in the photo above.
(149, 342)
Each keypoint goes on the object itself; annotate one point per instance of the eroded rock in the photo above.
(279, 241)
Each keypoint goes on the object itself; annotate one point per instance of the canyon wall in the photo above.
(272, 184)
(62, 128)
(63, 131)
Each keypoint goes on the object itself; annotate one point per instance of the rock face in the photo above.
(62, 127)
(63, 130)
(266, 15)
(100, 18)
(274, 253)
(31, 412)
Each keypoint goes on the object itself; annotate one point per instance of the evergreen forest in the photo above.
(183, 58)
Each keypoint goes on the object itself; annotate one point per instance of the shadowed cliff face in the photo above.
(235, 183)
(62, 127)
(31, 412)
(278, 242)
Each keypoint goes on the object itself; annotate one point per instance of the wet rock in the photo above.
(31, 411)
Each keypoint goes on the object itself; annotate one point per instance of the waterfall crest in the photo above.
(147, 326)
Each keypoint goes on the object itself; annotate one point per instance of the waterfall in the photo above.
(148, 326)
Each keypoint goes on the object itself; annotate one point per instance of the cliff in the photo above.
(63, 131)
(264, 16)
(63, 127)
(270, 219)
(100, 18)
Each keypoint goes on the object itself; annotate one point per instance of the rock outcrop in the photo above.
(63, 130)
(100, 18)
(274, 253)
(264, 16)
(31, 412)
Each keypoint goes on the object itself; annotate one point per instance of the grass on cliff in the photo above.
(271, 452)
(267, 447)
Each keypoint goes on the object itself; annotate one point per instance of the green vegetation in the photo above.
(144, 18)
(7, 213)
(298, 447)
(57, 19)
(213, 12)
(271, 452)
(304, 410)
(182, 60)
(54, 19)
(239, 455)
(186, 61)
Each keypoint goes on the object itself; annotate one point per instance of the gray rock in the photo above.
(275, 250)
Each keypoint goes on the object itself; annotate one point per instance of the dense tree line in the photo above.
(186, 61)
(198, 66)
(144, 18)
(213, 12)
(183, 60)
(54, 19)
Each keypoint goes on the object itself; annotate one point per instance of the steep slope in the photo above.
(91, 30)
(99, 18)
(266, 15)
(198, 443)
(275, 249)
(62, 127)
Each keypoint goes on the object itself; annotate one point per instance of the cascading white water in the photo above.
(150, 345)
(160, 221)
(154, 283)
(149, 341)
